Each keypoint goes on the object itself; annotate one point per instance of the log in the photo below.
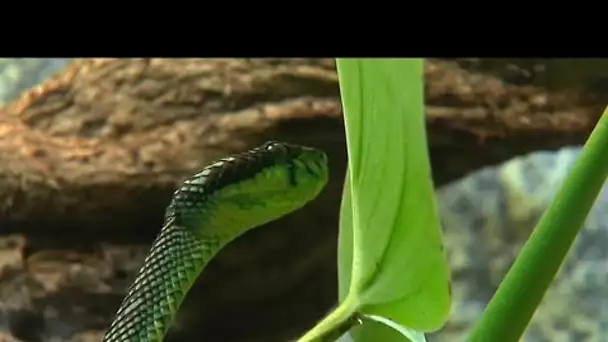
(82, 148)
(123, 131)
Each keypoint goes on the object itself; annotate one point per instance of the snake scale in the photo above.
(211, 208)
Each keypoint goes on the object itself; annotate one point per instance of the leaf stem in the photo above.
(334, 325)
(510, 310)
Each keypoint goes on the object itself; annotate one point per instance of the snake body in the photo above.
(210, 209)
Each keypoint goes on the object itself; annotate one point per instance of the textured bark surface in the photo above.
(89, 159)
(117, 132)
(87, 145)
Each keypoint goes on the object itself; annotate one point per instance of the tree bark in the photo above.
(105, 134)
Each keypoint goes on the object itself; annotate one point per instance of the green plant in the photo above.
(389, 233)
(391, 260)
(524, 286)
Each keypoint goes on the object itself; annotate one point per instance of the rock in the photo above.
(488, 216)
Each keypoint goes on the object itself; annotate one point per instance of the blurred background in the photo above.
(92, 149)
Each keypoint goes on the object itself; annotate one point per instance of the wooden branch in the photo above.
(105, 134)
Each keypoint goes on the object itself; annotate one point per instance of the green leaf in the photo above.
(370, 331)
(391, 261)
(386, 330)
(378, 328)
(345, 242)
(398, 267)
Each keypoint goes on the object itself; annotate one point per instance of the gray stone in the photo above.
(488, 215)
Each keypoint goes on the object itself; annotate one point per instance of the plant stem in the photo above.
(333, 325)
(510, 310)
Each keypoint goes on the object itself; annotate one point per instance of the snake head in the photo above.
(251, 188)
(306, 168)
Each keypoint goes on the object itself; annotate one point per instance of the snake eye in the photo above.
(281, 150)
(272, 145)
(276, 147)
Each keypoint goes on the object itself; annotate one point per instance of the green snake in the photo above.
(210, 209)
